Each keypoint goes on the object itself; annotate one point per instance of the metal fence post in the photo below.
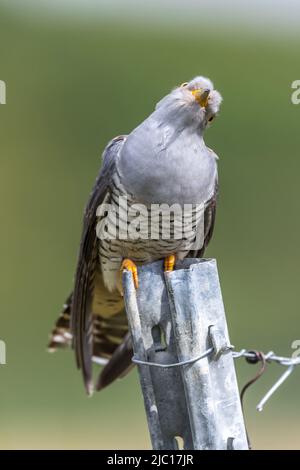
(177, 317)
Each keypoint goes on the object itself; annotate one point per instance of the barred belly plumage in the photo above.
(129, 229)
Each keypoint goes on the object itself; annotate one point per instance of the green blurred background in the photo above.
(73, 83)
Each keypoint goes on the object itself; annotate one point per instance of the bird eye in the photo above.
(184, 84)
(211, 118)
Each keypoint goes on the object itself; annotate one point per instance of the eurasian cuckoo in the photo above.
(164, 161)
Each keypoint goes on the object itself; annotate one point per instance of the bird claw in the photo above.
(170, 263)
(129, 265)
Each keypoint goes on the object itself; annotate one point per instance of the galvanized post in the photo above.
(175, 318)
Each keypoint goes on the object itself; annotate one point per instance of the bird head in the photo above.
(195, 103)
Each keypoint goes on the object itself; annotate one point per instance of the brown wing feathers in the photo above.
(81, 312)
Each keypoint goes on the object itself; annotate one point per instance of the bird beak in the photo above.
(201, 96)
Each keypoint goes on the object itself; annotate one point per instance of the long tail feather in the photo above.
(112, 346)
(119, 364)
(61, 335)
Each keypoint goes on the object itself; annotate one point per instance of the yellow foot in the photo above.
(130, 266)
(170, 263)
